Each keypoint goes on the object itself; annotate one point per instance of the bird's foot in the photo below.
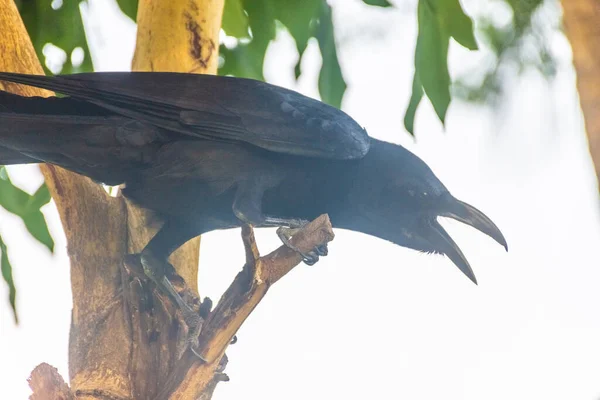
(310, 258)
(157, 270)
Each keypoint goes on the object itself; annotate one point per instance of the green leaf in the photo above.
(242, 61)
(27, 207)
(415, 99)
(310, 18)
(235, 21)
(458, 24)
(298, 17)
(378, 3)
(12, 198)
(331, 82)
(8, 278)
(36, 225)
(431, 58)
(247, 58)
(62, 27)
(40, 198)
(439, 20)
(129, 8)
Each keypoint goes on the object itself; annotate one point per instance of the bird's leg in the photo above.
(310, 258)
(247, 207)
(156, 267)
(247, 203)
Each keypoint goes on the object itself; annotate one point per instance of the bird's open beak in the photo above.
(447, 246)
(471, 216)
(467, 214)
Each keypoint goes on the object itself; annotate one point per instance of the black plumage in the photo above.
(208, 152)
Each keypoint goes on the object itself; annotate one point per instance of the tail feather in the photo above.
(75, 135)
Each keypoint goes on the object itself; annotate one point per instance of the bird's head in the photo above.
(398, 198)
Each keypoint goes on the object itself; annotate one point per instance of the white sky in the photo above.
(373, 320)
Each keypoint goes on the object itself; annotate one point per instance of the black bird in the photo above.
(208, 152)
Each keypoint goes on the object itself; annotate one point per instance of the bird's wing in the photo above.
(217, 108)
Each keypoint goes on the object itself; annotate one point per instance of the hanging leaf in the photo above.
(40, 198)
(8, 278)
(458, 24)
(299, 19)
(378, 3)
(235, 21)
(439, 20)
(27, 207)
(12, 199)
(415, 99)
(431, 59)
(37, 227)
(331, 82)
(247, 58)
(304, 20)
(62, 27)
(129, 8)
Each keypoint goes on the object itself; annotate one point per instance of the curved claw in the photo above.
(198, 355)
(322, 250)
(310, 258)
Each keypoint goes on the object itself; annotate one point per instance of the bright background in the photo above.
(373, 320)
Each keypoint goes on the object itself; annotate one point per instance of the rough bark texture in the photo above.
(178, 36)
(582, 25)
(126, 339)
(95, 228)
(47, 384)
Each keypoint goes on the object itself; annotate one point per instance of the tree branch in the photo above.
(188, 379)
(47, 384)
(582, 26)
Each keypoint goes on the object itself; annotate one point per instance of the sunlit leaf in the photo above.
(378, 3)
(40, 198)
(411, 110)
(12, 198)
(431, 59)
(62, 27)
(27, 207)
(235, 21)
(439, 20)
(299, 18)
(247, 58)
(36, 225)
(331, 82)
(129, 8)
(8, 278)
(458, 24)
(304, 20)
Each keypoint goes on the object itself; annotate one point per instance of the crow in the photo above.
(210, 152)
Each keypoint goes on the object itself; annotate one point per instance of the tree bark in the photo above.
(582, 24)
(125, 339)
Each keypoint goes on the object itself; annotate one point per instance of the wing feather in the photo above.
(217, 108)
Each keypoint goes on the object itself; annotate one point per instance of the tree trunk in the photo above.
(582, 25)
(126, 339)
